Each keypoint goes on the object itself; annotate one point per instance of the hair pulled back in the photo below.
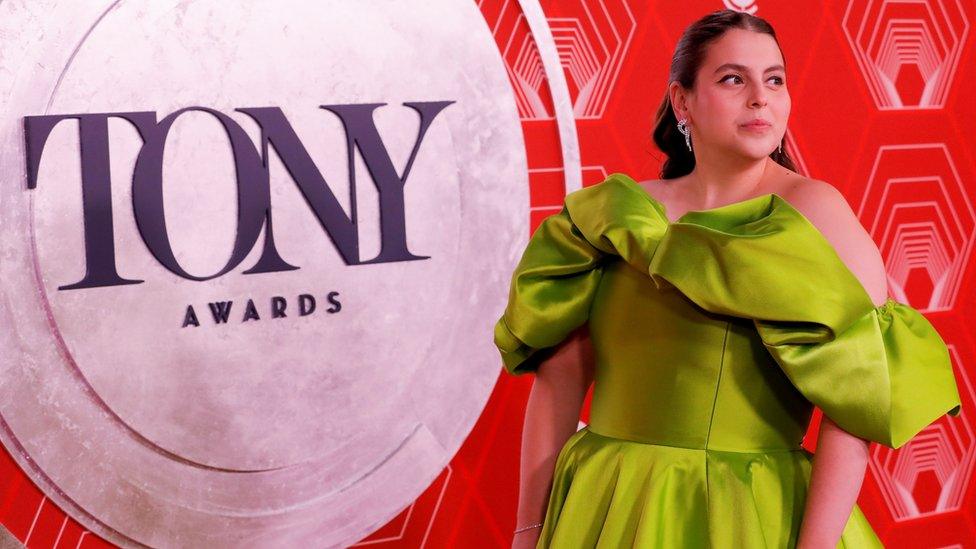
(689, 54)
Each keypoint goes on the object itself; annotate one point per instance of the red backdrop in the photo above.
(883, 106)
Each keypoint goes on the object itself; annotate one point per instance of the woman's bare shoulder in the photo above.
(828, 210)
(822, 204)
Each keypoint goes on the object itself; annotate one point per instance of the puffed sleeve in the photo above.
(884, 378)
(550, 293)
(882, 373)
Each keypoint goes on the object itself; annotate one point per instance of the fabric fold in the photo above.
(608, 492)
(550, 294)
(884, 378)
(880, 372)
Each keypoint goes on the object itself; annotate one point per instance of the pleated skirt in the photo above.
(610, 493)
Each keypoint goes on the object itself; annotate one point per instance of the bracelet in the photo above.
(528, 527)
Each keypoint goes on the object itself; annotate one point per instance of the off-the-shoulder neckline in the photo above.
(664, 209)
(889, 301)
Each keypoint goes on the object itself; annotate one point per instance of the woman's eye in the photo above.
(778, 80)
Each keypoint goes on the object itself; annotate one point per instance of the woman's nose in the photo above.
(758, 98)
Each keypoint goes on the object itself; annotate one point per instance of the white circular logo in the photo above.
(247, 260)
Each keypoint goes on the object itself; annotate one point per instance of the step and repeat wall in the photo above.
(251, 253)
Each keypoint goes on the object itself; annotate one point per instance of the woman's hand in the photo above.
(526, 539)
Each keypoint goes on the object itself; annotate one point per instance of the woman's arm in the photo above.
(551, 417)
(841, 458)
(835, 481)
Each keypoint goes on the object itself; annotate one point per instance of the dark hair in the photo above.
(689, 54)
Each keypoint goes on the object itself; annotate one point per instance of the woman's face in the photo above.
(725, 97)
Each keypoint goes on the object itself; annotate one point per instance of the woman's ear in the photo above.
(678, 98)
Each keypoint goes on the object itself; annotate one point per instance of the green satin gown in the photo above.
(714, 338)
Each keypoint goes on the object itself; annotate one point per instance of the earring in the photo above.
(683, 128)
(781, 148)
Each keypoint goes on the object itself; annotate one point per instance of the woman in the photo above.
(714, 309)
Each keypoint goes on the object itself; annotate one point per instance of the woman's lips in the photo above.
(756, 126)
